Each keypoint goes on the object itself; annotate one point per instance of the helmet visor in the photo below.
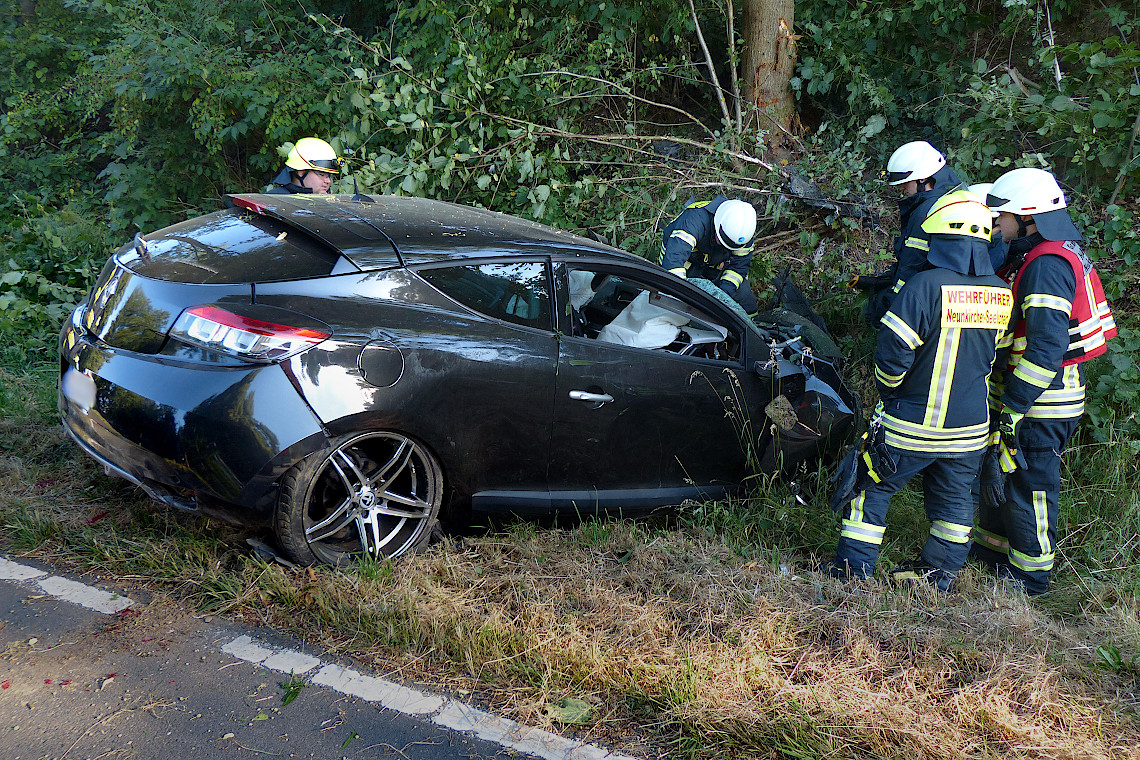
(995, 202)
(896, 178)
(330, 165)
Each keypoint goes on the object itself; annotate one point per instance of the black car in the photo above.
(350, 371)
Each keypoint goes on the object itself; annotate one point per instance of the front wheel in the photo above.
(377, 492)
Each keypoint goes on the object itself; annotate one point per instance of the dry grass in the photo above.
(677, 640)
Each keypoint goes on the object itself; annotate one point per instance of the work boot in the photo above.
(1014, 583)
(917, 570)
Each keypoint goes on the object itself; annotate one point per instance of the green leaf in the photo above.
(570, 711)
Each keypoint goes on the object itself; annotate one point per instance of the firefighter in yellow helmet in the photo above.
(310, 168)
(935, 349)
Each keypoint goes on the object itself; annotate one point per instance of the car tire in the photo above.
(376, 492)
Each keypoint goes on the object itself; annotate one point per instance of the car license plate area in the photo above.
(78, 388)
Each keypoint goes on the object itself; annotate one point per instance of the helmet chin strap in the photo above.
(1023, 226)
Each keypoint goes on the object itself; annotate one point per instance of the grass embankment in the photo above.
(711, 636)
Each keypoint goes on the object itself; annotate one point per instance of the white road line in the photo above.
(75, 592)
(447, 713)
(14, 571)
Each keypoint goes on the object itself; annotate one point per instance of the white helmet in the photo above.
(1034, 192)
(735, 223)
(916, 160)
(982, 190)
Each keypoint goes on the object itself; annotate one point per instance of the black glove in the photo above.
(993, 479)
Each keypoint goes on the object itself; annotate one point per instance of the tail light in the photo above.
(242, 336)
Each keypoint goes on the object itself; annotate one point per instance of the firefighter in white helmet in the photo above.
(310, 167)
(713, 240)
(1037, 392)
(920, 171)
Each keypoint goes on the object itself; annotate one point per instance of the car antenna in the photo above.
(356, 193)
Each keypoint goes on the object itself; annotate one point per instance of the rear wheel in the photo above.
(375, 492)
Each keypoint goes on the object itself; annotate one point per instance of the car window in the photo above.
(621, 309)
(516, 292)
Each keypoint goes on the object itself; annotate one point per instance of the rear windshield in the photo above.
(232, 246)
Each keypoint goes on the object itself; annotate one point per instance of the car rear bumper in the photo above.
(193, 436)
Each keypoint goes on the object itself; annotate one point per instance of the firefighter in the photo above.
(713, 240)
(1061, 319)
(309, 168)
(935, 348)
(920, 171)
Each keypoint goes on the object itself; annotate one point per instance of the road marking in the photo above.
(446, 713)
(85, 596)
(14, 571)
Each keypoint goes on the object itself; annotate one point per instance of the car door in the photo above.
(649, 406)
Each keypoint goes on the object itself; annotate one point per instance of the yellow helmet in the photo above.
(313, 154)
(959, 213)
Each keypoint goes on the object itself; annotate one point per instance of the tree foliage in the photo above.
(595, 116)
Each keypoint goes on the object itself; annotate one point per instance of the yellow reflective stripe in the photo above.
(898, 286)
(891, 381)
(1041, 517)
(871, 472)
(742, 251)
(907, 335)
(1005, 340)
(1019, 344)
(857, 508)
(1029, 563)
(680, 272)
(698, 204)
(685, 237)
(915, 428)
(991, 540)
(942, 377)
(928, 446)
(1034, 374)
(1059, 412)
(1046, 301)
(865, 532)
(734, 277)
(952, 532)
(918, 243)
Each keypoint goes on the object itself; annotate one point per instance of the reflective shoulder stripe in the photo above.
(684, 236)
(698, 204)
(1046, 301)
(917, 243)
(734, 277)
(907, 335)
(898, 286)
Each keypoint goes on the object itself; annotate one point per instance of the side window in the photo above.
(518, 293)
(619, 309)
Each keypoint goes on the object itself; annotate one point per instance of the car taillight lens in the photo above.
(244, 337)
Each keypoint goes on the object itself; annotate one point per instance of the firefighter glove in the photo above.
(993, 478)
(1009, 424)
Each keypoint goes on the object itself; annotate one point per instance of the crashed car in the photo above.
(350, 371)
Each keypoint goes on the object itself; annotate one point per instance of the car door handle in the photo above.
(596, 398)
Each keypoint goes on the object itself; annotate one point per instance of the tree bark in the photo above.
(27, 11)
(767, 62)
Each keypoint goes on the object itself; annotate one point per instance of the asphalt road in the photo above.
(107, 676)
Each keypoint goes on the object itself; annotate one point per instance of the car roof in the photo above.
(377, 231)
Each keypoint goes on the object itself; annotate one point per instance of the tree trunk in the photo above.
(27, 11)
(767, 61)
